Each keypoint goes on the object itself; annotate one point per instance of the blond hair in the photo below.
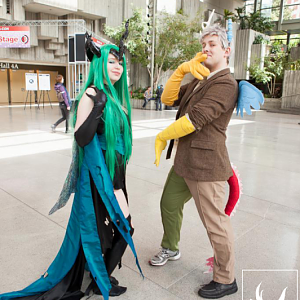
(59, 78)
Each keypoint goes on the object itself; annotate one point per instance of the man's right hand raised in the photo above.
(195, 67)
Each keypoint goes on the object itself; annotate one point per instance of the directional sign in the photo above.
(44, 82)
(31, 81)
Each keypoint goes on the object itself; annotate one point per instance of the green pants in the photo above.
(175, 194)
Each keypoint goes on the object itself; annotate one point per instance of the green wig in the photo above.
(117, 111)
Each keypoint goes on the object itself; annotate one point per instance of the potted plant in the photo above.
(250, 26)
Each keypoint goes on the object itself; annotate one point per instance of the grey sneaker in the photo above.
(163, 256)
(53, 128)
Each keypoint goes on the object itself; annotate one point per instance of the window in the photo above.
(269, 4)
(291, 2)
(272, 13)
(102, 23)
(270, 8)
(291, 12)
(249, 6)
(249, 9)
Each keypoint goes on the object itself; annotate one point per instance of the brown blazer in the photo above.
(202, 155)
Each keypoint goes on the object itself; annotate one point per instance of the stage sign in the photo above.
(31, 81)
(14, 37)
(44, 82)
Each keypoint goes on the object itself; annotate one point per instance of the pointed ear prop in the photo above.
(91, 48)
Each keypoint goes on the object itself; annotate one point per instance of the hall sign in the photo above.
(8, 66)
(14, 37)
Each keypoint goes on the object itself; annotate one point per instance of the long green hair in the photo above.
(117, 111)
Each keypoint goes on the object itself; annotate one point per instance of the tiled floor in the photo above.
(264, 147)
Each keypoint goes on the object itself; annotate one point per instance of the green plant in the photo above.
(242, 18)
(295, 65)
(259, 23)
(253, 21)
(139, 90)
(229, 15)
(139, 96)
(272, 71)
(261, 75)
(176, 39)
(276, 47)
(138, 93)
(292, 65)
(294, 43)
(259, 39)
(276, 67)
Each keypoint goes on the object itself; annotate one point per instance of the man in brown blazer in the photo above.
(201, 167)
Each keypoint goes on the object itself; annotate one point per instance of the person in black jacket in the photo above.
(159, 92)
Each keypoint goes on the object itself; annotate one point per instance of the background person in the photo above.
(147, 96)
(159, 92)
(64, 102)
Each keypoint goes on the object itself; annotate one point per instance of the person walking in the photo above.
(64, 102)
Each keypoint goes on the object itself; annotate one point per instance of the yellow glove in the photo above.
(178, 129)
(194, 66)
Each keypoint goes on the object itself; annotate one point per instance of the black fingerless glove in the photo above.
(87, 130)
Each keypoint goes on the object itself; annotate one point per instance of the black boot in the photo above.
(112, 258)
(113, 280)
(216, 290)
(115, 290)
